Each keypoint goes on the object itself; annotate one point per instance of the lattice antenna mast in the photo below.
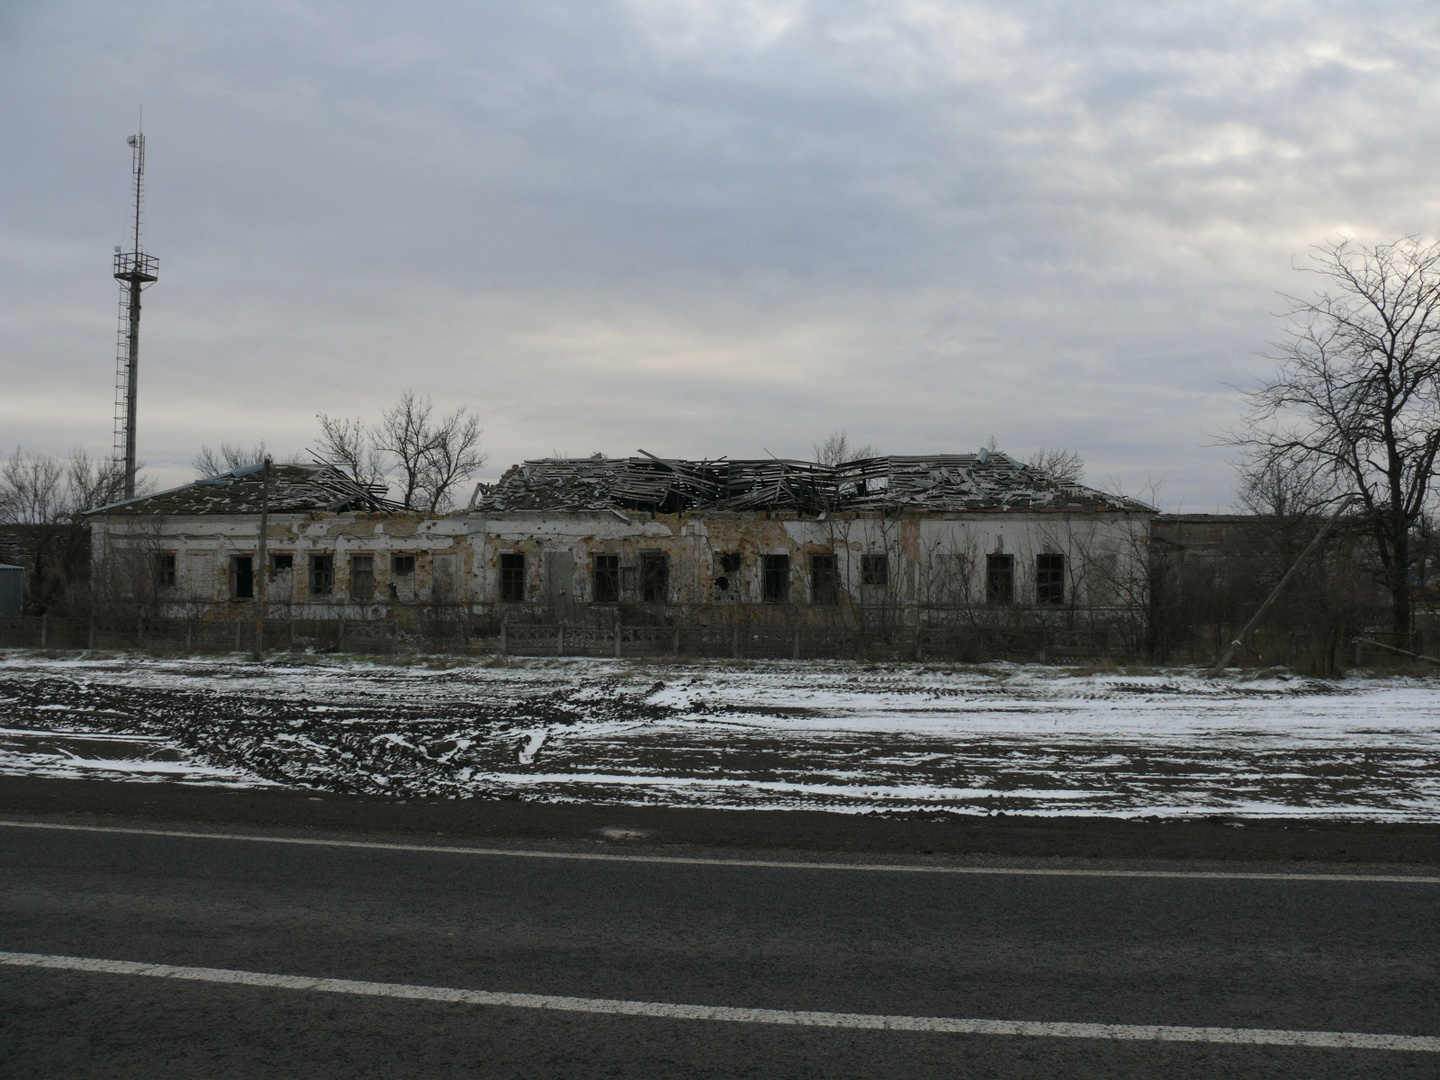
(134, 270)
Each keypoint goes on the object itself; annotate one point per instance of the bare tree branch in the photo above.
(404, 433)
(228, 458)
(428, 456)
(1058, 463)
(1354, 405)
(836, 449)
(453, 456)
(348, 444)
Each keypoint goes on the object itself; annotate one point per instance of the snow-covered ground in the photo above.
(1002, 738)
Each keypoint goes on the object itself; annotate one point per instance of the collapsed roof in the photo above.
(941, 483)
(294, 489)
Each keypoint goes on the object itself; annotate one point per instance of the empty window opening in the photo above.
(1050, 579)
(164, 569)
(402, 565)
(874, 569)
(824, 580)
(282, 562)
(322, 575)
(362, 578)
(727, 570)
(1000, 579)
(242, 577)
(512, 578)
(605, 579)
(777, 579)
(654, 577)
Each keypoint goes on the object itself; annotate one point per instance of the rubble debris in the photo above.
(294, 489)
(938, 483)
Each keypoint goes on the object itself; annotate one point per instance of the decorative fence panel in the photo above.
(451, 632)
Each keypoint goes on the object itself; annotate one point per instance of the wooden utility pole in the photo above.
(1275, 593)
(262, 570)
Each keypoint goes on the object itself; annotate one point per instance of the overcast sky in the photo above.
(700, 228)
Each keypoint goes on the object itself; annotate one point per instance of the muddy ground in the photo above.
(990, 741)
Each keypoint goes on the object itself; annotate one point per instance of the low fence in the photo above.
(969, 644)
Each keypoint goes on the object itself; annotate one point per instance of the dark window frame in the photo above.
(605, 578)
(402, 565)
(242, 577)
(281, 561)
(512, 577)
(824, 579)
(654, 577)
(1049, 579)
(321, 578)
(163, 565)
(775, 579)
(999, 579)
(875, 569)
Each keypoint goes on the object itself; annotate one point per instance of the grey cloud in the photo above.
(700, 228)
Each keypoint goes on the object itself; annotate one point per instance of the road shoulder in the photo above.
(921, 836)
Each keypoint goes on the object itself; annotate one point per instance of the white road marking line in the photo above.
(772, 864)
(1331, 1040)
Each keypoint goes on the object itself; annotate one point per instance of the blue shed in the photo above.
(12, 589)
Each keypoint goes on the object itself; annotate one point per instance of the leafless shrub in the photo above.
(229, 458)
(1058, 463)
(837, 449)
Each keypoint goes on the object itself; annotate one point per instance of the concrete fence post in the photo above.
(618, 649)
(560, 640)
(45, 630)
(502, 637)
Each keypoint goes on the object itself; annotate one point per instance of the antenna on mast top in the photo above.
(134, 270)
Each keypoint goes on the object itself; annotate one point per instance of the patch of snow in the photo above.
(1012, 738)
(532, 747)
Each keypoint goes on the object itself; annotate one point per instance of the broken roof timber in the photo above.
(944, 483)
(293, 489)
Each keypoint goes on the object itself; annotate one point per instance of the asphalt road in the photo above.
(1291, 954)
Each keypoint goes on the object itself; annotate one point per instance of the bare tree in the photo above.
(1354, 405)
(405, 434)
(836, 449)
(429, 455)
(454, 455)
(32, 488)
(91, 483)
(229, 458)
(1062, 465)
(348, 444)
(38, 489)
(45, 496)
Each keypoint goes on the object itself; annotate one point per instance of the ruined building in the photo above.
(960, 536)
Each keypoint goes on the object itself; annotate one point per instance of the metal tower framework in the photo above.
(134, 270)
